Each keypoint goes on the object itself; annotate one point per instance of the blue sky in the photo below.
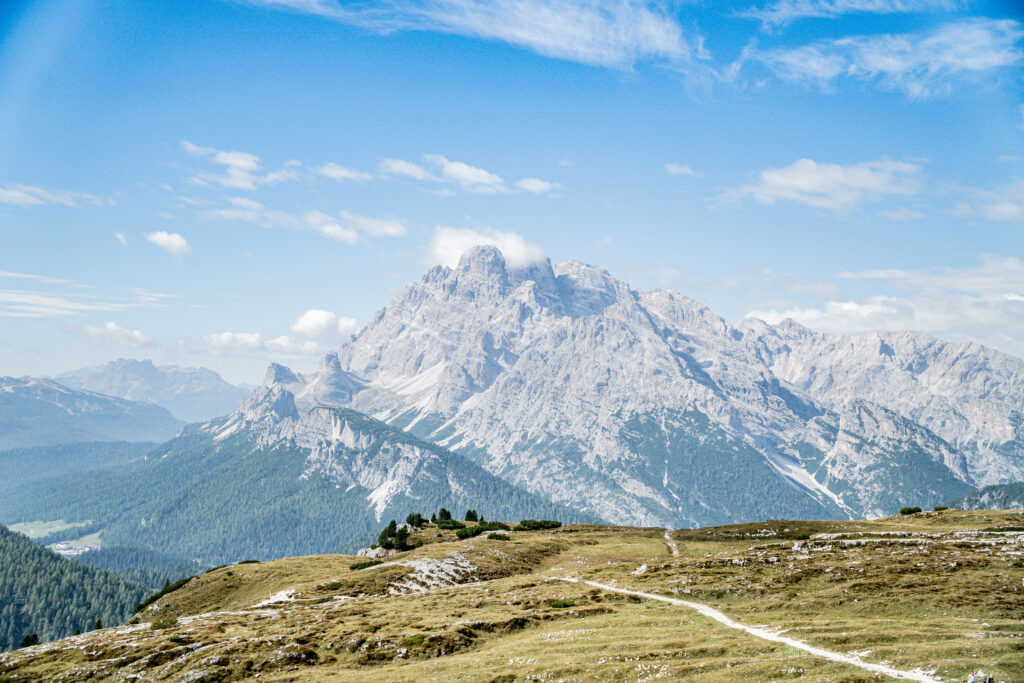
(229, 183)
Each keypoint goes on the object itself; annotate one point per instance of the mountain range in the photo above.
(647, 408)
(556, 390)
(38, 412)
(190, 394)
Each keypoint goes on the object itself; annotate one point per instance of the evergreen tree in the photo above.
(98, 625)
(30, 640)
(443, 513)
(402, 539)
(471, 515)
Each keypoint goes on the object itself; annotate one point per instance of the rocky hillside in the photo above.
(646, 407)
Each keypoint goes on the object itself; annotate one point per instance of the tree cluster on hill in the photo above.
(49, 596)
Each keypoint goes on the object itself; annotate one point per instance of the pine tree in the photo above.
(30, 640)
(443, 513)
(470, 515)
(98, 625)
(402, 539)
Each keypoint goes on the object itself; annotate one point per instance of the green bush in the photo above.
(470, 532)
(499, 537)
(164, 622)
(449, 524)
(356, 566)
(940, 508)
(910, 510)
(563, 603)
(249, 562)
(536, 524)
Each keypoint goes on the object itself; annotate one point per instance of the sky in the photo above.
(227, 183)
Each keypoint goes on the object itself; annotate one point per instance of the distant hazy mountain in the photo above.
(646, 407)
(998, 497)
(40, 412)
(190, 394)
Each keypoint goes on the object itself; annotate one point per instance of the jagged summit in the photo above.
(647, 407)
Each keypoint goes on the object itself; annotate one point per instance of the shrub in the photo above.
(30, 640)
(472, 531)
(356, 566)
(499, 537)
(179, 640)
(249, 562)
(213, 569)
(535, 524)
(164, 622)
(563, 603)
(940, 508)
(449, 524)
(909, 510)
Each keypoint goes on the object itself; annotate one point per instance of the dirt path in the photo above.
(671, 544)
(765, 634)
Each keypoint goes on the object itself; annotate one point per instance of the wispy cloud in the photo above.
(33, 195)
(613, 33)
(21, 303)
(171, 242)
(344, 227)
(1004, 203)
(918, 64)
(983, 301)
(828, 186)
(241, 170)
(782, 12)
(673, 168)
(112, 332)
(438, 168)
(901, 213)
(343, 173)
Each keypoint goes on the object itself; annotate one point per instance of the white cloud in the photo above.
(919, 64)
(782, 12)
(673, 168)
(449, 244)
(829, 186)
(171, 242)
(317, 323)
(983, 302)
(19, 303)
(900, 214)
(342, 173)
(33, 195)
(242, 170)
(1004, 203)
(615, 33)
(253, 344)
(536, 185)
(401, 167)
(345, 227)
(122, 238)
(470, 178)
(28, 276)
(112, 332)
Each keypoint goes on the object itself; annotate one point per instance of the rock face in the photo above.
(41, 412)
(647, 408)
(190, 394)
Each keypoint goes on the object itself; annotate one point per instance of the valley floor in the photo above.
(923, 597)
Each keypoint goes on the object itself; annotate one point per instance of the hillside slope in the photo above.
(268, 482)
(784, 600)
(45, 594)
(998, 497)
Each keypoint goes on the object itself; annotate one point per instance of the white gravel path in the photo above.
(764, 634)
(671, 544)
